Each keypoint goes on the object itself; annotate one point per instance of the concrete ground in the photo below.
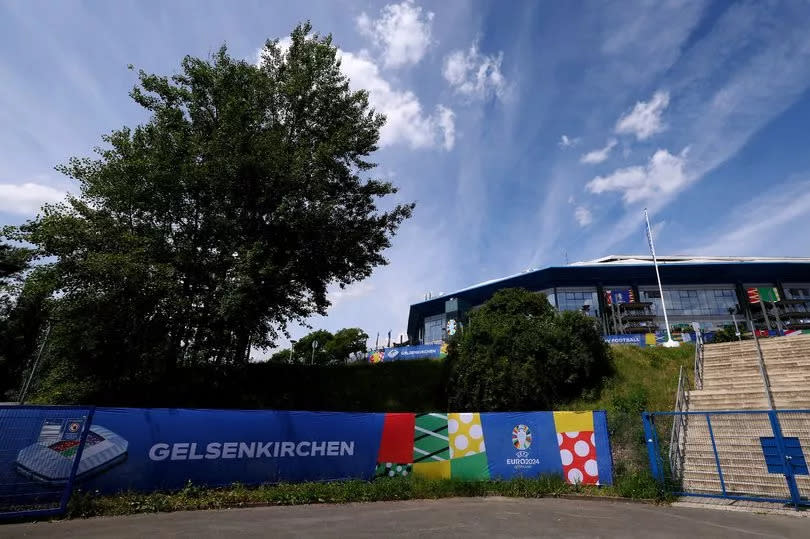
(458, 517)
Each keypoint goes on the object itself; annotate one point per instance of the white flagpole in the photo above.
(670, 343)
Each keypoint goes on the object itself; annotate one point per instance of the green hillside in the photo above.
(645, 379)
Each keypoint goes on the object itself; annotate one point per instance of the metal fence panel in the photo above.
(756, 455)
(795, 425)
(40, 449)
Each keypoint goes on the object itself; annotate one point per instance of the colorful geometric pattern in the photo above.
(393, 469)
(466, 434)
(430, 441)
(440, 446)
(375, 357)
(575, 438)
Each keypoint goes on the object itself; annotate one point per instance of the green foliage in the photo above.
(401, 386)
(645, 379)
(89, 504)
(518, 353)
(348, 344)
(206, 231)
(726, 334)
(19, 321)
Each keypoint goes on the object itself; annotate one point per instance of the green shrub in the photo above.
(518, 353)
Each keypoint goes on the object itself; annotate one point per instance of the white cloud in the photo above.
(402, 32)
(661, 177)
(446, 121)
(600, 155)
(27, 198)
(645, 119)
(568, 142)
(406, 121)
(583, 216)
(474, 74)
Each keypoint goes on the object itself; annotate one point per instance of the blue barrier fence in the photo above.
(46, 451)
(739, 454)
(40, 451)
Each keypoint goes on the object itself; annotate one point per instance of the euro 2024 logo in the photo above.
(521, 439)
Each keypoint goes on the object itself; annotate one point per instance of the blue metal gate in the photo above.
(40, 451)
(741, 455)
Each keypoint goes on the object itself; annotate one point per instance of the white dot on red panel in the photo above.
(582, 448)
(566, 457)
(593, 440)
(572, 434)
(559, 439)
(591, 468)
(574, 476)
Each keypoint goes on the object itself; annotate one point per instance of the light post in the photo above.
(314, 346)
(292, 343)
(732, 311)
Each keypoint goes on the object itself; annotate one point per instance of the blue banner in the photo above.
(637, 339)
(521, 444)
(421, 351)
(151, 449)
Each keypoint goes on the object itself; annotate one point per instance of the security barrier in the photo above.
(40, 451)
(157, 449)
(741, 455)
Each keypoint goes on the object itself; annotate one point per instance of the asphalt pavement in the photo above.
(458, 517)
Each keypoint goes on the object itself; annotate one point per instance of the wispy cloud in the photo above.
(583, 216)
(644, 120)
(568, 142)
(598, 156)
(772, 223)
(473, 74)
(402, 31)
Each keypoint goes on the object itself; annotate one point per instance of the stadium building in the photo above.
(621, 292)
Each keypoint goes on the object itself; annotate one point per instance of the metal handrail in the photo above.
(698, 360)
(677, 437)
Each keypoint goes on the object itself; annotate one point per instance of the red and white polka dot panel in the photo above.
(578, 457)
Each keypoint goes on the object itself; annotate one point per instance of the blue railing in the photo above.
(735, 454)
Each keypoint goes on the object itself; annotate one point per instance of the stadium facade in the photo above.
(622, 294)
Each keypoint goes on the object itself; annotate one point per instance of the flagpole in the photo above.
(670, 343)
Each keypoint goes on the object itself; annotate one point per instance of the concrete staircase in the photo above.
(732, 381)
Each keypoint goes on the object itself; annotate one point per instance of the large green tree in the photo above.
(207, 230)
(518, 353)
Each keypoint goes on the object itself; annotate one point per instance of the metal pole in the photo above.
(670, 343)
(736, 329)
(765, 314)
(27, 385)
(762, 370)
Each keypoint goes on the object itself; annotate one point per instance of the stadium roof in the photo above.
(684, 259)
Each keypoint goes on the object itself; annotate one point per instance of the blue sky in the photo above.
(523, 130)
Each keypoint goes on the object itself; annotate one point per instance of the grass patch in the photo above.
(645, 379)
(192, 497)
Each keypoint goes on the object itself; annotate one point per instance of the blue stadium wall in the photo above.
(607, 276)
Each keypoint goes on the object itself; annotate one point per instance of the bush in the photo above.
(518, 353)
